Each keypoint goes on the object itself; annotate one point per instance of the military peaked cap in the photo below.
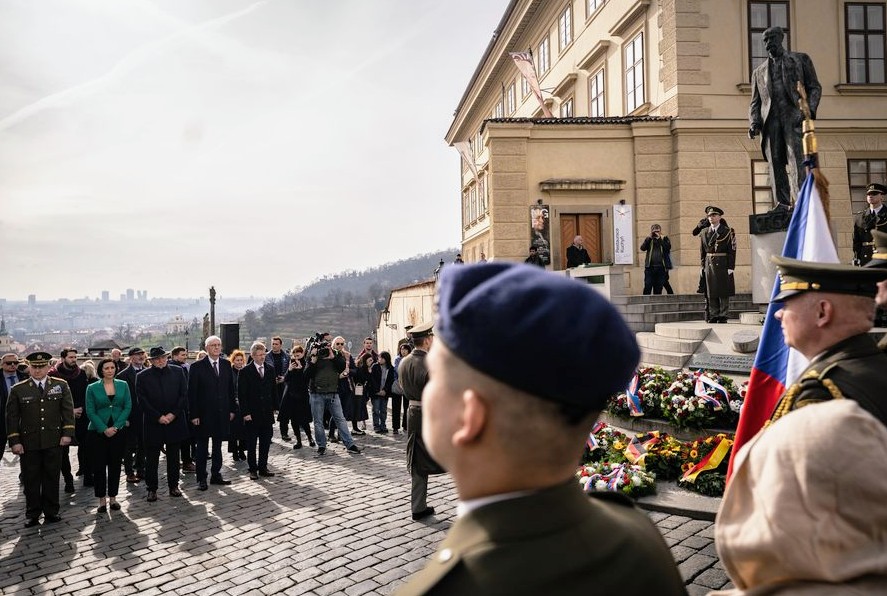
(796, 277)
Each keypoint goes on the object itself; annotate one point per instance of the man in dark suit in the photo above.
(511, 437)
(257, 391)
(11, 376)
(134, 457)
(211, 407)
(163, 397)
(40, 422)
(774, 111)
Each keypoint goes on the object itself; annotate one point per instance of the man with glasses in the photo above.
(11, 377)
(873, 218)
(40, 422)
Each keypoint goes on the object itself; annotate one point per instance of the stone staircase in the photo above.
(643, 312)
(670, 346)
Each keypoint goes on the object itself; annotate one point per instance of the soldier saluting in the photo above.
(864, 222)
(40, 421)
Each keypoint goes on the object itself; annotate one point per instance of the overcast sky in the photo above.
(170, 145)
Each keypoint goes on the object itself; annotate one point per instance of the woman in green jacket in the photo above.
(108, 404)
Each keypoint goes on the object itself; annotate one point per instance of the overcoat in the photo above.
(257, 395)
(718, 251)
(163, 391)
(413, 374)
(211, 398)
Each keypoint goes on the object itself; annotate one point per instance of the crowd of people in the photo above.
(128, 411)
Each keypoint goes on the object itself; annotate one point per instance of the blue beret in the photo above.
(537, 331)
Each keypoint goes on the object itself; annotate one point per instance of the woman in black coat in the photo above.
(295, 405)
(236, 445)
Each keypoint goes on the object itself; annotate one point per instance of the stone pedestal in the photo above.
(763, 271)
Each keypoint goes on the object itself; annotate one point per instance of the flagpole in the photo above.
(811, 156)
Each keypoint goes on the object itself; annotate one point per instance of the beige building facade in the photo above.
(650, 117)
(407, 307)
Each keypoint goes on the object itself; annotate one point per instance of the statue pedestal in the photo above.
(763, 271)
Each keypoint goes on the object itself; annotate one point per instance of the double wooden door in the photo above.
(587, 225)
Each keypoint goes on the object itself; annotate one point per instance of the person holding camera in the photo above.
(322, 370)
(657, 262)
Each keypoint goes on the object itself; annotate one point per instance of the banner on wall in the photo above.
(623, 235)
(540, 231)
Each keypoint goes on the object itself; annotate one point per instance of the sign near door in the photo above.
(540, 231)
(623, 235)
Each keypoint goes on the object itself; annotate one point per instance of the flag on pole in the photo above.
(524, 63)
(776, 365)
(464, 149)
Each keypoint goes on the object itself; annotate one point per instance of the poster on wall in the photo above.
(540, 231)
(623, 235)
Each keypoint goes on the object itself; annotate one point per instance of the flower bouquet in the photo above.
(628, 479)
(605, 443)
(697, 399)
(705, 467)
(653, 381)
(664, 458)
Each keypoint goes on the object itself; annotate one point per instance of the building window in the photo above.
(865, 42)
(592, 5)
(472, 205)
(524, 87)
(565, 28)
(567, 108)
(863, 172)
(482, 195)
(478, 144)
(499, 110)
(465, 204)
(634, 73)
(596, 94)
(543, 57)
(762, 16)
(761, 189)
(510, 99)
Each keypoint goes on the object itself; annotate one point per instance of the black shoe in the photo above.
(115, 506)
(79, 473)
(174, 492)
(219, 480)
(102, 509)
(321, 450)
(354, 449)
(152, 496)
(202, 485)
(253, 475)
(242, 456)
(357, 431)
(384, 431)
(266, 473)
(428, 511)
(69, 488)
(297, 446)
(34, 521)
(396, 431)
(312, 444)
(52, 519)
(286, 438)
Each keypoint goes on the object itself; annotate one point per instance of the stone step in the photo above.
(752, 318)
(677, 298)
(696, 333)
(654, 307)
(664, 358)
(668, 344)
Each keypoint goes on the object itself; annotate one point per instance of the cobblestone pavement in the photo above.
(331, 524)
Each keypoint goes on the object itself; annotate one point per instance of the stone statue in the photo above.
(206, 330)
(774, 112)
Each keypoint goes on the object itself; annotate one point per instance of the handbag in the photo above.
(396, 389)
(358, 390)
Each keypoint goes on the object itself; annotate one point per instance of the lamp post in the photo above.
(437, 270)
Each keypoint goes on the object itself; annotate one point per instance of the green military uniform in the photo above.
(37, 421)
(718, 255)
(864, 224)
(579, 545)
(854, 368)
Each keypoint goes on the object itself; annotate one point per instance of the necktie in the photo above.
(262, 371)
(41, 387)
(216, 367)
(10, 381)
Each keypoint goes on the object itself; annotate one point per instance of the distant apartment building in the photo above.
(650, 116)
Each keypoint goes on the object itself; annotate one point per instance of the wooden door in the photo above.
(587, 225)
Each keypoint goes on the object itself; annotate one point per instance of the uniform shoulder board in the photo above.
(821, 380)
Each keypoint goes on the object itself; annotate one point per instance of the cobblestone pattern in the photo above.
(331, 524)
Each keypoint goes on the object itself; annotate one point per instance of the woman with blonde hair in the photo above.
(236, 444)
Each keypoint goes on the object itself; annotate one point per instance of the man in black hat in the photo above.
(511, 433)
(134, 457)
(864, 222)
(39, 422)
(718, 251)
(163, 397)
(828, 312)
(413, 375)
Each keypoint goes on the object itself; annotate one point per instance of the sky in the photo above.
(170, 145)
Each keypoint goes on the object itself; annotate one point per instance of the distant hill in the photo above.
(344, 303)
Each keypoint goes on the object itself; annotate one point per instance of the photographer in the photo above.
(322, 371)
(657, 262)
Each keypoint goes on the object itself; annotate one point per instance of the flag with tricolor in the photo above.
(635, 406)
(637, 448)
(710, 462)
(776, 366)
(701, 389)
(591, 442)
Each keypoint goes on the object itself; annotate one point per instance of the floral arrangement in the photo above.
(705, 467)
(665, 458)
(699, 399)
(652, 381)
(605, 443)
(630, 480)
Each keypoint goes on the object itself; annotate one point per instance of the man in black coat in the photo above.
(257, 391)
(774, 112)
(11, 376)
(163, 396)
(69, 371)
(211, 407)
(134, 457)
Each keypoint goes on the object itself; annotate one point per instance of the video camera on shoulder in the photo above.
(322, 347)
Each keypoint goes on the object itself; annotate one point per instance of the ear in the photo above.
(473, 420)
(825, 312)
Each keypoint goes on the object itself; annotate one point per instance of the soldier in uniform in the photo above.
(864, 222)
(511, 431)
(879, 260)
(718, 251)
(828, 312)
(413, 375)
(40, 421)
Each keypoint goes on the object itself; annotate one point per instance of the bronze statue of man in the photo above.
(774, 112)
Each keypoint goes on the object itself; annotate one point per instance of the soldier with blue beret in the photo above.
(507, 410)
(39, 423)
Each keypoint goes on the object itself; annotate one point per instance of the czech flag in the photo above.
(776, 365)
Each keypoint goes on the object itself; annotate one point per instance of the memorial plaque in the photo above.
(734, 363)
